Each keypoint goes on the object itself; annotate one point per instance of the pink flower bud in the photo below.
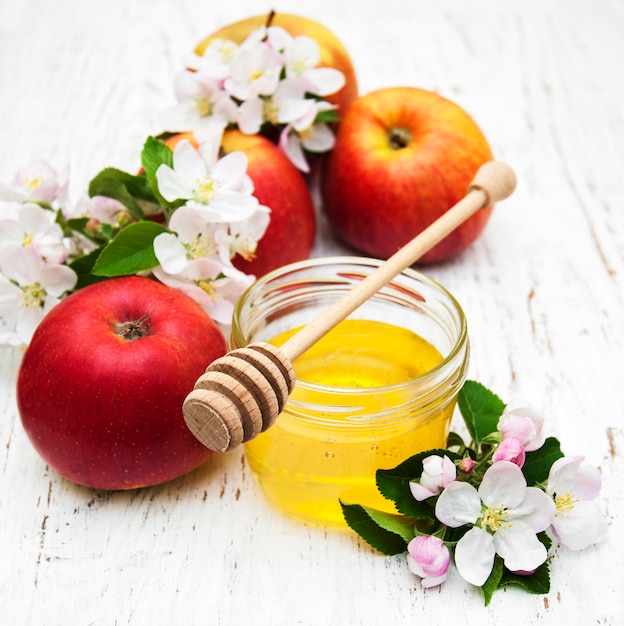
(466, 465)
(429, 558)
(438, 472)
(522, 422)
(510, 450)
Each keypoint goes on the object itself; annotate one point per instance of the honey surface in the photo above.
(306, 466)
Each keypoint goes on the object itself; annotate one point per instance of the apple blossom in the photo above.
(219, 188)
(36, 230)
(31, 290)
(429, 558)
(214, 286)
(522, 422)
(505, 516)
(438, 472)
(302, 55)
(202, 106)
(36, 182)
(578, 521)
(316, 138)
(466, 465)
(287, 105)
(509, 450)
(214, 62)
(255, 69)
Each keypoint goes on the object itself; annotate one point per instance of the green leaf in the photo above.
(538, 582)
(386, 533)
(393, 484)
(156, 153)
(131, 251)
(493, 582)
(123, 187)
(327, 117)
(538, 462)
(454, 441)
(480, 408)
(83, 266)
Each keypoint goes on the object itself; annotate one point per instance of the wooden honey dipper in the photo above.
(241, 394)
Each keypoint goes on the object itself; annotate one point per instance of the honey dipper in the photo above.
(241, 394)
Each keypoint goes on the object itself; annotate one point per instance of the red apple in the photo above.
(101, 385)
(403, 156)
(279, 185)
(333, 52)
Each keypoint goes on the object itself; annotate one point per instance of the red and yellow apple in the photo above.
(279, 185)
(403, 156)
(101, 385)
(333, 52)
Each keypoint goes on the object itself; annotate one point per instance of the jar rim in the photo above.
(459, 343)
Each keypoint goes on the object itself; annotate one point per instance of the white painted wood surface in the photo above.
(81, 84)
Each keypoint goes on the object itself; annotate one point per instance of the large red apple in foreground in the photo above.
(403, 156)
(279, 185)
(102, 383)
(333, 53)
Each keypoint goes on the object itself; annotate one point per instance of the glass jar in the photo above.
(330, 439)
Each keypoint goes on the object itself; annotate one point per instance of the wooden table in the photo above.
(81, 84)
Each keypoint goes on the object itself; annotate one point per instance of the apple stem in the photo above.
(133, 329)
(399, 138)
(270, 18)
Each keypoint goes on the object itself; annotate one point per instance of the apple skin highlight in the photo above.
(403, 156)
(103, 410)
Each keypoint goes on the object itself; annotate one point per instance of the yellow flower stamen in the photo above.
(204, 107)
(32, 182)
(208, 288)
(565, 503)
(270, 111)
(202, 246)
(256, 74)
(494, 519)
(33, 296)
(206, 190)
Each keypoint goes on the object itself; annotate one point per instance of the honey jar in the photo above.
(378, 388)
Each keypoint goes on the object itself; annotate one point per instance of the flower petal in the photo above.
(474, 556)
(581, 526)
(458, 504)
(503, 485)
(519, 547)
(537, 510)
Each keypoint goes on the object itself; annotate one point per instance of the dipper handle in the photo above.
(242, 393)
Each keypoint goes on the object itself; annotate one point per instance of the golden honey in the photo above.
(374, 391)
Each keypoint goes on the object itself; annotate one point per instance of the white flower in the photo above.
(316, 138)
(579, 521)
(36, 182)
(194, 239)
(255, 69)
(32, 289)
(438, 472)
(522, 422)
(101, 208)
(242, 237)
(220, 189)
(202, 106)
(302, 55)
(506, 516)
(34, 229)
(215, 286)
(214, 62)
(288, 105)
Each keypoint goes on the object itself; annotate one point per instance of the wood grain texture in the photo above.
(82, 83)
